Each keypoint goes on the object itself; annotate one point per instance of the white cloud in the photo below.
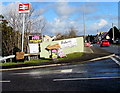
(102, 23)
(11, 7)
(87, 8)
(98, 25)
(0, 7)
(64, 10)
(62, 26)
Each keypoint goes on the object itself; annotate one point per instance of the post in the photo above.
(113, 33)
(84, 26)
(23, 31)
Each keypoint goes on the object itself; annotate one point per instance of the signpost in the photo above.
(23, 8)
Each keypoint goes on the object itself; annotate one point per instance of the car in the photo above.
(87, 44)
(98, 42)
(105, 43)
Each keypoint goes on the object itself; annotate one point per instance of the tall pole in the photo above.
(84, 26)
(113, 33)
(23, 31)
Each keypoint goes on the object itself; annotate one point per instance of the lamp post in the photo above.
(84, 26)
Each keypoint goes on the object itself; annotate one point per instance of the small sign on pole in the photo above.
(24, 8)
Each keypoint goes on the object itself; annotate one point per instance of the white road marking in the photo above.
(115, 61)
(91, 50)
(21, 73)
(117, 57)
(68, 79)
(66, 70)
(22, 68)
(100, 58)
(5, 81)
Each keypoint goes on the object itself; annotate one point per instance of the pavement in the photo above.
(90, 54)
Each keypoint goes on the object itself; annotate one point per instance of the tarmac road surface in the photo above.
(89, 77)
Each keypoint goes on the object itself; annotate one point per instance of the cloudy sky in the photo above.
(60, 16)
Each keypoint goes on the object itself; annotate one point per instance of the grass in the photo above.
(69, 56)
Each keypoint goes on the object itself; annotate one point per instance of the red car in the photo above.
(87, 44)
(105, 43)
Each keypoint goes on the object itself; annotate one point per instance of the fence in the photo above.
(27, 57)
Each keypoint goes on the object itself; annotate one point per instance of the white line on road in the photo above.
(117, 57)
(31, 67)
(100, 58)
(91, 50)
(66, 70)
(5, 81)
(68, 79)
(115, 61)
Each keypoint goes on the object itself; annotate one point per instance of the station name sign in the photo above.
(68, 43)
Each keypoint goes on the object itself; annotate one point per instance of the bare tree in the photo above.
(34, 22)
(72, 32)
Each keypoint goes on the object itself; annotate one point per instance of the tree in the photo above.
(34, 22)
(8, 38)
(72, 32)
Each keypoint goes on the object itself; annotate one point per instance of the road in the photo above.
(89, 77)
(113, 48)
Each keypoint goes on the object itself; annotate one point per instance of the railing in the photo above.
(30, 57)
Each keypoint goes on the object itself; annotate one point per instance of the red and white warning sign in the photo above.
(24, 8)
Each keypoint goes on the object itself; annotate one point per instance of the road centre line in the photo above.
(69, 79)
(66, 70)
(5, 81)
(115, 61)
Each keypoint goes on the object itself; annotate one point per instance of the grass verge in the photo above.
(69, 56)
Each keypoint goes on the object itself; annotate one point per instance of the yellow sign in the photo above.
(56, 46)
(35, 41)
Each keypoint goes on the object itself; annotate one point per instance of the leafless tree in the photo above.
(71, 33)
(34, 22)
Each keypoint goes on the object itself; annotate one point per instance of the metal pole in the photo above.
(113, 32)
(84, 26)
(23, 31)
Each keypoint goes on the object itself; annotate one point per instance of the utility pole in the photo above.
(113, 33)
(84, 26)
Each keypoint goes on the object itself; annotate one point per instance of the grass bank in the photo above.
(69, 56)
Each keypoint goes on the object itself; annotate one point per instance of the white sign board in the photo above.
(34, 48)
(68, 43)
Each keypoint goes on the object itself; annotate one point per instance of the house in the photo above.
(109, 35)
